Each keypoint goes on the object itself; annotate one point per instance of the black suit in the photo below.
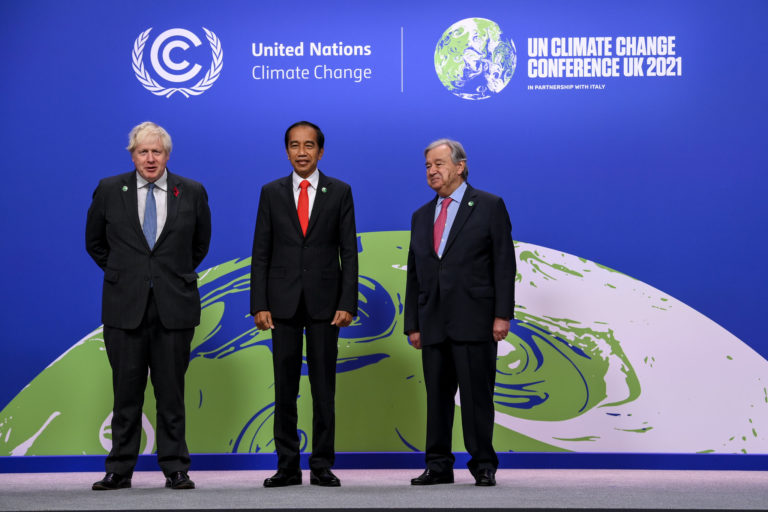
(452, 302)
(303, 280)
(150, 306)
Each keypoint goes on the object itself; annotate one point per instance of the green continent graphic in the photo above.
(473, 61)
(548, 369)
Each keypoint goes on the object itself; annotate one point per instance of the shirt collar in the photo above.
(314, 179)
(457, 194)
(161, 183)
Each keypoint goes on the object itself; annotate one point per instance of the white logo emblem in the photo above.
(165, 66)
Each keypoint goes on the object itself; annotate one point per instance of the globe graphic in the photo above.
(473, 61)
(595, 361)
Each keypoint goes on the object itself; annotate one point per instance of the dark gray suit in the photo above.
(452, 301)
(150, 306)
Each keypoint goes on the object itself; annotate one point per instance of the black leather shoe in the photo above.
(283, 478)
(323, 477)
(179, 480)
(111, 482)
(485, 478)
(429, 477)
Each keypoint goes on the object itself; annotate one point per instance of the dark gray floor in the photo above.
(516, 489)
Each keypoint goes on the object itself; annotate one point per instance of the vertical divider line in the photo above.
(401, 59)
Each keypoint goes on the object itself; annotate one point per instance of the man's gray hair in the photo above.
(148, 129)
(457, 153)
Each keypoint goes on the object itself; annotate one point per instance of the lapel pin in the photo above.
(323, 190)
(125, 188)
(175, 192)
(471, 203)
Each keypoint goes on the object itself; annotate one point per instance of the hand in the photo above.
(500, 328)
(414, 338)
(342, 319)
(263, 320)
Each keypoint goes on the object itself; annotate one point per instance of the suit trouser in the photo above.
(470, 367)
(165, 352)
(322, 350)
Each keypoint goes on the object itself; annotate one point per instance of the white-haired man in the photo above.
(459, 300)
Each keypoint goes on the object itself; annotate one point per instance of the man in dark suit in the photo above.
(458, 304)
(148, 230)
(304, 277)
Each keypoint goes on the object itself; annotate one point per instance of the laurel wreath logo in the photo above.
(149, 83)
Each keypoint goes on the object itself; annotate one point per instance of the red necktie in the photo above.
(303, 208)
(440, 223)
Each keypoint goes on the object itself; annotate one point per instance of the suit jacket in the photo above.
(115, 241)
(322, 264)
(459, 296)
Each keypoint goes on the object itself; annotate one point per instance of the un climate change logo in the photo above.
(171, 70)
(473, 61)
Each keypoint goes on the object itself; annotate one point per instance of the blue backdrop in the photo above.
(662, 178)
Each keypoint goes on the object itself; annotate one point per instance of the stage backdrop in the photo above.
(627, 139)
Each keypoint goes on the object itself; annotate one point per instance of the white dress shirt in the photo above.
(161, 199)
(313, 179)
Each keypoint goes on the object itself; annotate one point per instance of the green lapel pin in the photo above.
(125, 188)
(323, 190)
(471, 203)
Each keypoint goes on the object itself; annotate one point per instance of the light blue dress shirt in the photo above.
(453, 208)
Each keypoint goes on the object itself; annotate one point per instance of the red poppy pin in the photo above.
(175, 192)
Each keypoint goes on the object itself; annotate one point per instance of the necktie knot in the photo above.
(304, 184)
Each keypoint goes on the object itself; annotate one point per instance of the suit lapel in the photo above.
(173, 196)
(321, 200)
(429, 226)
(289, 203)
(131, 204)
(465, 210)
